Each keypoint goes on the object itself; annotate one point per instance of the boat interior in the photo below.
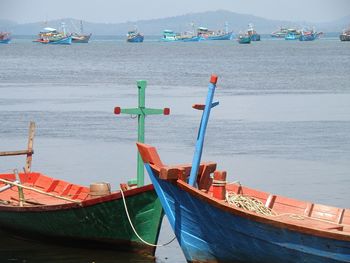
(39, 189)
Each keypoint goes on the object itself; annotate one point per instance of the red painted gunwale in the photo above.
(53, 186)
(304, 217)
(312, 226)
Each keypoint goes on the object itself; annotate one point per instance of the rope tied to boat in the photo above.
(133, 228)
(248, 203)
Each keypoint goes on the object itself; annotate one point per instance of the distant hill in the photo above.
(211, 19)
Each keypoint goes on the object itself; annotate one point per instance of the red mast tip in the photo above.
(166, 111)
(117, 110)
(213, 79)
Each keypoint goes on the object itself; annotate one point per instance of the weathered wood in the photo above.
(38, 191)
(11, 153)
(30, 147)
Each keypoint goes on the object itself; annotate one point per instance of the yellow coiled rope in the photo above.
(248, 203)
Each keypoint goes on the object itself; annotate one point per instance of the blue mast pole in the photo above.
(202, 129)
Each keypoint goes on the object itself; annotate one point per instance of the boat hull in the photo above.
(187, 39)
(208, 233)
(255, 37)
(62, 41)
(307, 37)
(227, 36)
(136, 39)
(292, 37)
(5, 41)
(344, 37)
(99, 221)
(81, 39)
(244, 40)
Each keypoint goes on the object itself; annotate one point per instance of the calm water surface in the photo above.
(283, 123)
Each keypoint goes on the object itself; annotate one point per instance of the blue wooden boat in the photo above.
(52, 36)
(5, 37)
(212, 222)
(254, 36)
(134, 36)
(62, 41)
(168, 36)
(309, 35)
(244, 39)
(171, 36)
(292, 34)
(207, 34)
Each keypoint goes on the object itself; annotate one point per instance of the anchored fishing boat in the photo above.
(309, 35)
(52, 36)
(216, 221)
(38, 206)
(81, 37)
(207, 34)
(280, 33)
(5, 37)
(345, 36)
(134, 36)
(292, 34)
(244, 39)
(171, 36)
(254, 36)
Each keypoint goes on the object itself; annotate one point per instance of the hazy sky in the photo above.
(113, 11)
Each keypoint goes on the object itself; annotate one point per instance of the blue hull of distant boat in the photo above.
(227, 36)
(308, 37)
(62, 41)
(244, 40)
(5, 41)
(207, 233)
(255, 37)
(136, 39)
(291, 37)
(190, 39)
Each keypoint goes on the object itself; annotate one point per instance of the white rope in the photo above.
(133, 228)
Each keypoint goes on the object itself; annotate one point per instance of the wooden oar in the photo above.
(39, 191)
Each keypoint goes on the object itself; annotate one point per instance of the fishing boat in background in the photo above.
(292, 34)
(38, 206)
(309, 35)
(244, 38)
(80, 37)
(134, 36)
(207, 34)
(345, 36)
(217, 221)
(171, 36)
(254, 36)
(281, 33)
(5, 37)
(51, 36)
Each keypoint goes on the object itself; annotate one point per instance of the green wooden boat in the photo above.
(42, 207)
(59, 211)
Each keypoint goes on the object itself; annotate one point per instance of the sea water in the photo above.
(282, 126)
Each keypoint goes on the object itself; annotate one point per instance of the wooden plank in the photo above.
(38, 191)
(11, 153)
(30, 147)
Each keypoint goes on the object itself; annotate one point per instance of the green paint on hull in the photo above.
(103, 223)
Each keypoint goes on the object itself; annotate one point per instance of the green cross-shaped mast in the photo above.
(141, 113)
